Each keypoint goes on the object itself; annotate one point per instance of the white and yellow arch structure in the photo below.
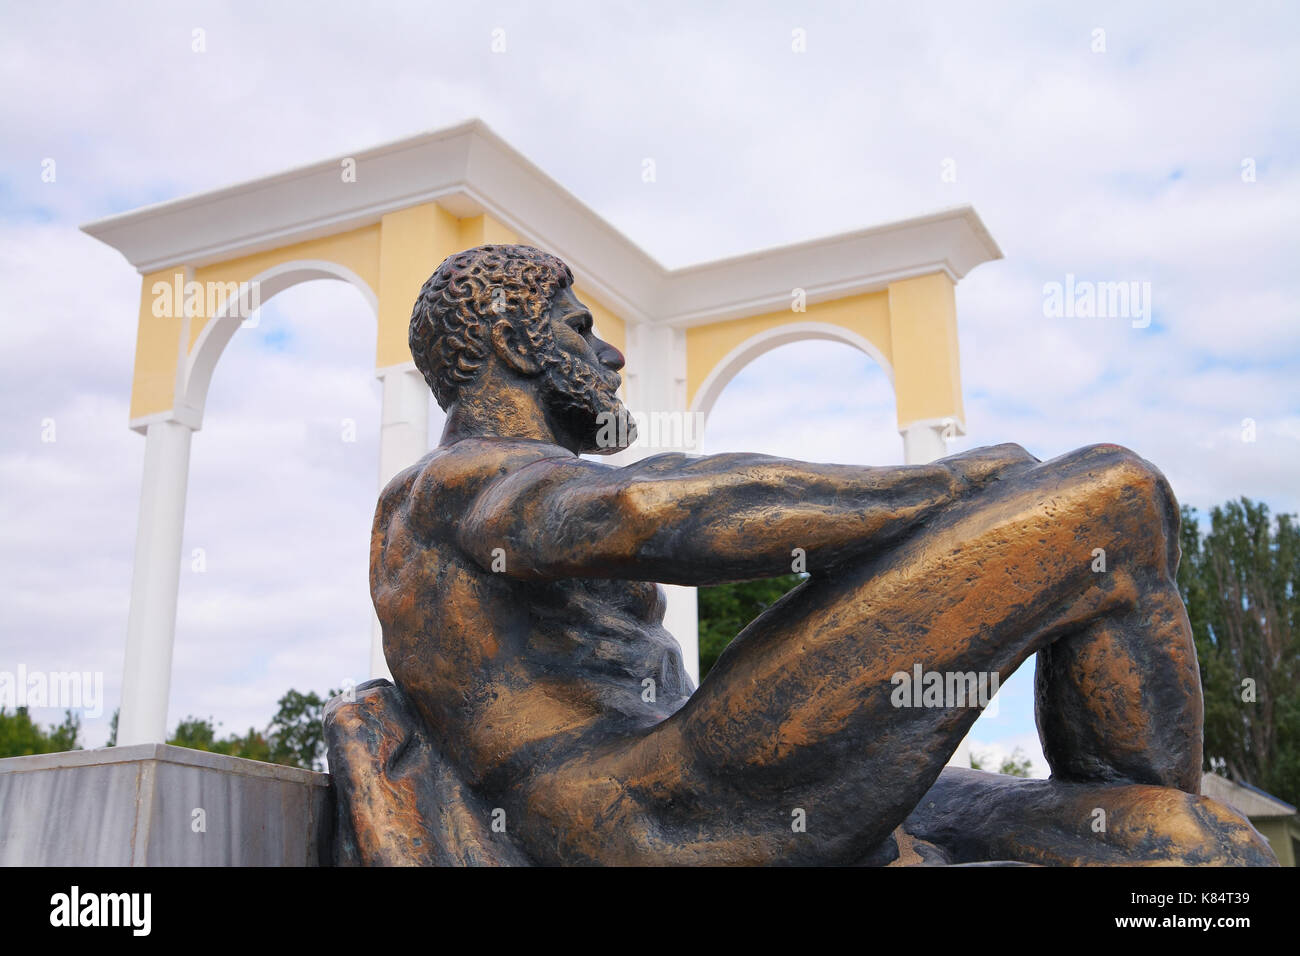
(384, 218)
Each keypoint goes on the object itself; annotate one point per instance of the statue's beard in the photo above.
(586, 402)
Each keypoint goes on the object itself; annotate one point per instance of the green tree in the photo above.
(297, 731)
(295, 737)
(194, 733)
(200, 734)
(725, 609)
(1239, 581)
(1017, 765)
(252, 746)
(20, 735)
(64, 736)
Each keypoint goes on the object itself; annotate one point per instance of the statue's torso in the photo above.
(533, 667)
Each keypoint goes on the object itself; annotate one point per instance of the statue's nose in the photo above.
(610, 357)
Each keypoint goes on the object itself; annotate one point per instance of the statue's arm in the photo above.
(699, 520)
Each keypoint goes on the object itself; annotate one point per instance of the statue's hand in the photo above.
(979, 466)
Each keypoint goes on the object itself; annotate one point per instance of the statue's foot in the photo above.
(970, 816)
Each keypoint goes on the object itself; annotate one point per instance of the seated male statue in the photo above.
(541, 713)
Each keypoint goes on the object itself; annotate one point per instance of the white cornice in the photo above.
(952, 241)
(468, 169)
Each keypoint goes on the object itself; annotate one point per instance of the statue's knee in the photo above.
(1017, 452)
(1138, 489)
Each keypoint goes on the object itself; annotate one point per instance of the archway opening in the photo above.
(810, 400)
(274, 577)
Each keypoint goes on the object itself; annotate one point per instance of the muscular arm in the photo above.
(695, 520)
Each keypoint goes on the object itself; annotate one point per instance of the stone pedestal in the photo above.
(156, 805)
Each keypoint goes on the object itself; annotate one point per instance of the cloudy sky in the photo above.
(1154, 144)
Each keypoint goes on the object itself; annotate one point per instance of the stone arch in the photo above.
(219, 328)
(721, 375)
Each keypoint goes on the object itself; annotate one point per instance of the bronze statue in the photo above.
(541, 713)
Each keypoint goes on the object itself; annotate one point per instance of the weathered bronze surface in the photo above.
(515, 582)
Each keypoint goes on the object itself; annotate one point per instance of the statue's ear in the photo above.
(512, 347)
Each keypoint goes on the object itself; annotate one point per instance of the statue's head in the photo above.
(512, 310)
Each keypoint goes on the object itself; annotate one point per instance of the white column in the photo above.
(403, 440)
(656, 385)
(151, 623)
(404, 427)
(682, 620)
(923, 442)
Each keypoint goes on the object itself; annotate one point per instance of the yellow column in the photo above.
(161, 338)
(927, 367)
(412, 243)
(483, 230)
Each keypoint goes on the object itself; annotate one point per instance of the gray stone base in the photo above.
(155, 805)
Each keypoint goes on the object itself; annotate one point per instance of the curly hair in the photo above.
(454, 313)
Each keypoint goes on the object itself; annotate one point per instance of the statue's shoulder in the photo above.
(471, 461)
(459, 471)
